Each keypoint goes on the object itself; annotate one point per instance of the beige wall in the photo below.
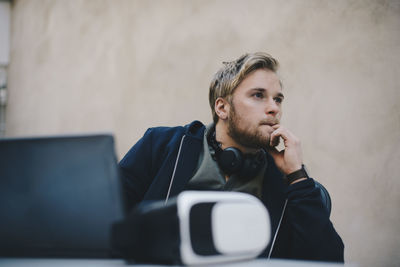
(83, 66)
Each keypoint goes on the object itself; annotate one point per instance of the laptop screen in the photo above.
(58, 196)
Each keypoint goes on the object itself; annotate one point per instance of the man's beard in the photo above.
(252, 138)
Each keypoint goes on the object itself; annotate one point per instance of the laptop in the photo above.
(59, 196)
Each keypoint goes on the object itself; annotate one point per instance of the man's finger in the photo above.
(274, 139)
(279, 132)
(274, 152)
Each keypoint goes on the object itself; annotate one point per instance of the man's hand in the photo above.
(290, 159)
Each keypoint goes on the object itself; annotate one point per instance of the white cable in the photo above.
(173, 173)
(277, 230)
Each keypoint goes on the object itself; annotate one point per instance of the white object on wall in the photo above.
(4, 32)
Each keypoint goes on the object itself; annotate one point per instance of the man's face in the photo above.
(256, 106)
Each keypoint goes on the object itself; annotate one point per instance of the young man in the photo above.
(237, 153)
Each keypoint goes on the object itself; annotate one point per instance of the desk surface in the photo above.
(14, 262)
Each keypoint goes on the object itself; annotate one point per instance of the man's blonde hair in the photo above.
(232, 73)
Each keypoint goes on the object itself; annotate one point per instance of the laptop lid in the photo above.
(58, 196)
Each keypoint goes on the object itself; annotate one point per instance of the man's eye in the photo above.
(278, 100)
(258, 95)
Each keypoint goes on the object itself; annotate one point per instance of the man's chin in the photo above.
(252, 138)
(262, 143)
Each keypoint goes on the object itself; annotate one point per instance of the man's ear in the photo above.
(222, 108)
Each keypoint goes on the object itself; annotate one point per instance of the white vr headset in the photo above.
(196, 227)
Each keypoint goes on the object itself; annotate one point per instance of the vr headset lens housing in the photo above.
(221, 226)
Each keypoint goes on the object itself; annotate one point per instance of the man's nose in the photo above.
(272, 108)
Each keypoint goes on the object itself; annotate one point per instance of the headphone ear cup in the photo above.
(230, 160)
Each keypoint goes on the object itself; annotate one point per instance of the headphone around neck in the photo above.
(232, 161)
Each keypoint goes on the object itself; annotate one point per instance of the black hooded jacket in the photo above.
(162, 162)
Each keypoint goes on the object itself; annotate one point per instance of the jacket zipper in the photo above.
(277, 230)
(173, 173)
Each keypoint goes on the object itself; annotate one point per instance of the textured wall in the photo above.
(122, 66)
